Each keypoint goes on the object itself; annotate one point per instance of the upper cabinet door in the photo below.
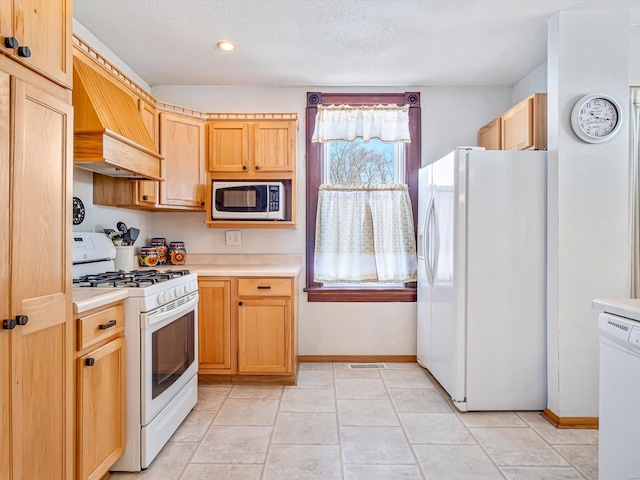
(182, 144)
(273, 146)
(45, 27)
(228, 144)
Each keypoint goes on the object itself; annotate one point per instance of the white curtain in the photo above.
(388, 123)
(635, 192)
(364, 234)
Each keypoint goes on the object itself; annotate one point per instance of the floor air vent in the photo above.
(367, 366)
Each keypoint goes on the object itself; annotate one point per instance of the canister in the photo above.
(148, 256)
(163, 250)
(177, 253)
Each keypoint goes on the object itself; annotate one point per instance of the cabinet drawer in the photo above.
(100, 326)
(264, 287)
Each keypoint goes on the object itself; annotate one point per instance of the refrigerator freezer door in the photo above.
(447, 299)
(424, 287)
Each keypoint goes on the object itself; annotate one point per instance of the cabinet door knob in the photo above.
(202, 204)
(240, 303)
(244, 167)
(145, 197)
(11, 42)
(9, 324)
(257, 167)
(22, 319)
(90, 362)
(24, 52)
(109, 324)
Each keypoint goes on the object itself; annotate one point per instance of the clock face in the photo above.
(78, 211)
(598, 117)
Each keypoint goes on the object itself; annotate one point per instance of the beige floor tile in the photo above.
(403, 366)
(382, 472)
(342, 370)
(491, 419)
(327, 366)
(303, 462)
(233, 445)
(222, 472)
(211, 398)
(315, 379)
(583, 457)
(194, 426)
(170, 463)
(541, 473)
(360, 388)
(419, 400)
(308, 400)
(456, 462)
(517, 447)
(247, 411)
(559, 436)
(306, 429)
(367, 413)
(250, 391)
(375, 445)
(437, 428)
(406, 378)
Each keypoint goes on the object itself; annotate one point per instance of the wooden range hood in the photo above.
(109, 135)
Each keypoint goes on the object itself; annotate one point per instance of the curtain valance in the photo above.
(388, 123)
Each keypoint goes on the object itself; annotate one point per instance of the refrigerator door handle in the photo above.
(427, 243)
(436, 236)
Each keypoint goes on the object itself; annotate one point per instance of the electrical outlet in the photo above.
(233, 237)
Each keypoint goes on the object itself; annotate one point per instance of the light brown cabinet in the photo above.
(145, 192)
(44, 26)
(247, 327)
(522, 127)
(250, 148)
(182, 144)
(36, 351)
(100, 394)
(489, 135)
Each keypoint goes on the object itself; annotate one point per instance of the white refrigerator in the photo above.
(482, 277)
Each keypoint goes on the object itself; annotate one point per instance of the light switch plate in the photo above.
(233, 237)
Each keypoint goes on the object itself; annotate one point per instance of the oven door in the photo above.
(169, 353)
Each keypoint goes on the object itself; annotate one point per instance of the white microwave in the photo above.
(248, 200)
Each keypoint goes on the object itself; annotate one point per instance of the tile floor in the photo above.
(363, 425)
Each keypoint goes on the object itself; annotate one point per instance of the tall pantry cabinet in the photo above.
(36, 376)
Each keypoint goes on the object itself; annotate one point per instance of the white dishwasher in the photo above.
(619, 456)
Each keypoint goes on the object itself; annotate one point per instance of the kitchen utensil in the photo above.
(126, 238)
(121, 226)
(133, 235)
(109, 231)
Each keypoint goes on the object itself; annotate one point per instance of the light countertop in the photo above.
(623, 307)
(85, 299)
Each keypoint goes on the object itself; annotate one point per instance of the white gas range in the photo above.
(161, 339)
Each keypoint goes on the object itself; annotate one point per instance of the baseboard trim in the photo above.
(570, 422)
(359, 358)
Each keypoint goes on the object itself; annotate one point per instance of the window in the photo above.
(359, 163)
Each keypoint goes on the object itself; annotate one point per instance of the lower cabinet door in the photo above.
(101, 414)
(264, 336)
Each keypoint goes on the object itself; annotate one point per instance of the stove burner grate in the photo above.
(122, 279)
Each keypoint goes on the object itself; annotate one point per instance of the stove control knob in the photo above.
(160, 299)
(179, 291)
(167, 296)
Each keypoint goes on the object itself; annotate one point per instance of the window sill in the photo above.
(322, 294)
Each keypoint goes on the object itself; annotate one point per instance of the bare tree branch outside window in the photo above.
(357, 163)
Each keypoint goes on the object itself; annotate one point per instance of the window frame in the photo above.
(316, 292)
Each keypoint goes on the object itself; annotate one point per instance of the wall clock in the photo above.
(78, 211)
(596, 118)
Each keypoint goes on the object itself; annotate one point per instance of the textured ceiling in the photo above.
(330, 42)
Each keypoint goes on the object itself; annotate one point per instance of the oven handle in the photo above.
(150, 318)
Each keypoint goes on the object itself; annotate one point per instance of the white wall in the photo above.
(634, 58)
(588, 240)
(534, 82)
(99, 217)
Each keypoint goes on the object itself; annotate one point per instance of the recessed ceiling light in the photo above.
(226, 45)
